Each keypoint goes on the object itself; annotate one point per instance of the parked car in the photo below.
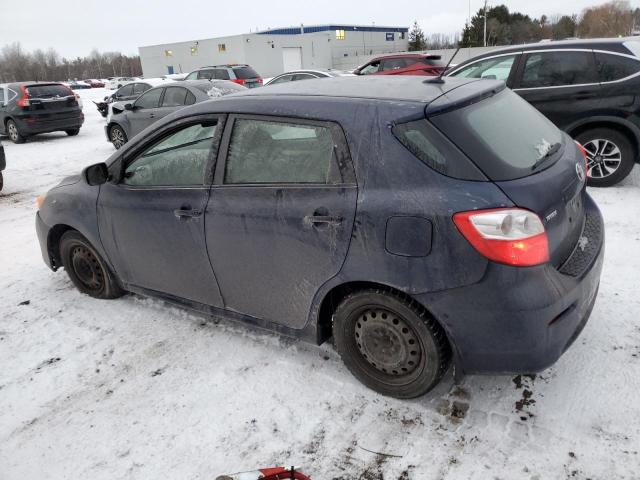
(403, 64)
(464, 233)
(3, 165)
(129, 92)
(296, 75)
(116, 82)
(77, 85)
(94, 83)
(588, 88)
(241, 74)
(129, 120)
(29, 108)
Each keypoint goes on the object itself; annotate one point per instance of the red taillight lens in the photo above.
(586, 156)
(506, 235)
(260, 80)
(239, 81)
(23, 101)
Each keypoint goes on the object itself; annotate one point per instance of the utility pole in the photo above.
(485, 23)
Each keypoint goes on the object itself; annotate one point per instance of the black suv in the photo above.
(588, 88)
(29, 108)
(241, 74)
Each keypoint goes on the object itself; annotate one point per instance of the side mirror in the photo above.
(128, 106)
(97, 174)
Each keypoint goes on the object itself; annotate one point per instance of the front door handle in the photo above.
(184, 213)
(323, 219)
(584, 95)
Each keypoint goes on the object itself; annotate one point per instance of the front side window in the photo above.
(556, 69)
(615, 67)
(497, 68)
(192, 76)
(263, 151)
(205, 74)
(149, 99)
(373, 67)
(221, 74)
(282, 79)
(303, 76)
(177, 160)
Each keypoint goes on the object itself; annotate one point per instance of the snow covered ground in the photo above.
(135, 389)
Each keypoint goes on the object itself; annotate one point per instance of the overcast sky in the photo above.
(74, 27)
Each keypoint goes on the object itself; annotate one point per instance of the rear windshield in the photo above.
(244, 73)
(505, 136)
(48, 91)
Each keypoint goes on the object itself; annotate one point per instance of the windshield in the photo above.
(505, 136)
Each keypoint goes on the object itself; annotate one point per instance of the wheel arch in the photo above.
(53, 243)
(619, 125)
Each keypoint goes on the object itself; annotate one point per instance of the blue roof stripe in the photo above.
(326, 28)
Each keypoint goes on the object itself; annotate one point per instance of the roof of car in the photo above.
(400, 88)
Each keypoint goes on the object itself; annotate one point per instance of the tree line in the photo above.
(612, 19)
(16, 64)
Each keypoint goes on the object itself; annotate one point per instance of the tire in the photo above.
(611, 156)
(1, 181)
(86, 269)
(14, 134)
(73, 132)
(390, 343)
(117, 136)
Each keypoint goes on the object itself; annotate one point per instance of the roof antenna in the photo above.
(439, 79)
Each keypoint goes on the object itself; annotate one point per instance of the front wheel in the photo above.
(390, 343)
(73, 132)
(86, 268)
(14, 134)
(610, 156)
(118, 136)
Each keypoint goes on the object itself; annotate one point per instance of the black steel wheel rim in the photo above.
(87, 268)
(387, 343)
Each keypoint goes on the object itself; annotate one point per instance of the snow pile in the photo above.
(134, 388)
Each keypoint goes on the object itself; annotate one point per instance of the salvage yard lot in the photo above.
(135, 388)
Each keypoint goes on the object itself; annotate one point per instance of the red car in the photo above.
(405, 64)
(94, 83)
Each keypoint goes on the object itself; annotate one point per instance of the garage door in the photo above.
(292, 58)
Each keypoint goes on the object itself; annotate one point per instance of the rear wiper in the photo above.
(552, 149)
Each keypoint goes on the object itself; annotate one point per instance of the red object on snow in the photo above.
(274, 473)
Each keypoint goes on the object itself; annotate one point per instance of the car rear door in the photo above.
(562, 84)
(151, 216)
(280, 214)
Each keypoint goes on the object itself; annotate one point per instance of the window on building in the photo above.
(401, 35)
(222, 47)
(339, 34)
(194, 50)
(168, 53)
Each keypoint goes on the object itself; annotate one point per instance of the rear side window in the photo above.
(48, 91)
(430, 146)
(221, 74)
(505, 136)
(206, 74)
(615, 67)
(263, 151)
(174, 97)
(395, 63)
(244, 73)
(555, 69)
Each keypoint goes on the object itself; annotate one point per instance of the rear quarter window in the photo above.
(615, 67)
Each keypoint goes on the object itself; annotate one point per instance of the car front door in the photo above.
(151, 217)
(144, 111)
(561, 84)
(280, 215)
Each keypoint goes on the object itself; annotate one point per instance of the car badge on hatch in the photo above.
(580, 171)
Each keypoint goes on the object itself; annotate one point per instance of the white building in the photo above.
(274, 51)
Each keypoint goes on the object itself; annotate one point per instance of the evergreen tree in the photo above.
(416, 38)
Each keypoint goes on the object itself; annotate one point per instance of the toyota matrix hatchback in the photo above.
(420, 224)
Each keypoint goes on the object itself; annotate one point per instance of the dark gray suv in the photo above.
(29, 108)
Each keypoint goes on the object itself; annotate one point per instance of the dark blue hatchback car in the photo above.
(420, 224)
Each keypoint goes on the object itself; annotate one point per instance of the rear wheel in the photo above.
(610, 156)
(117, 136)
(72, 132)
(86, 269)
(14, 134)
(390, 343)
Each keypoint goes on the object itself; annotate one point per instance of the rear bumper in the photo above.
(34, 124)
(42, 230)
(521, 320)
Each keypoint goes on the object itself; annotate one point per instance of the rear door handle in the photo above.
(180, 213)
(326, 219)
(584, 95)
(152, 115)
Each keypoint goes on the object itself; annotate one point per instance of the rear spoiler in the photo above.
(464, 95)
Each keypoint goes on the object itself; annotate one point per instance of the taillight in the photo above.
(23, 101)
(239, 81)
(260, 80)
(506, 235)
(586, 157)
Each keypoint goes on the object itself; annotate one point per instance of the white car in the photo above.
(297, 75)
(113, 83)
